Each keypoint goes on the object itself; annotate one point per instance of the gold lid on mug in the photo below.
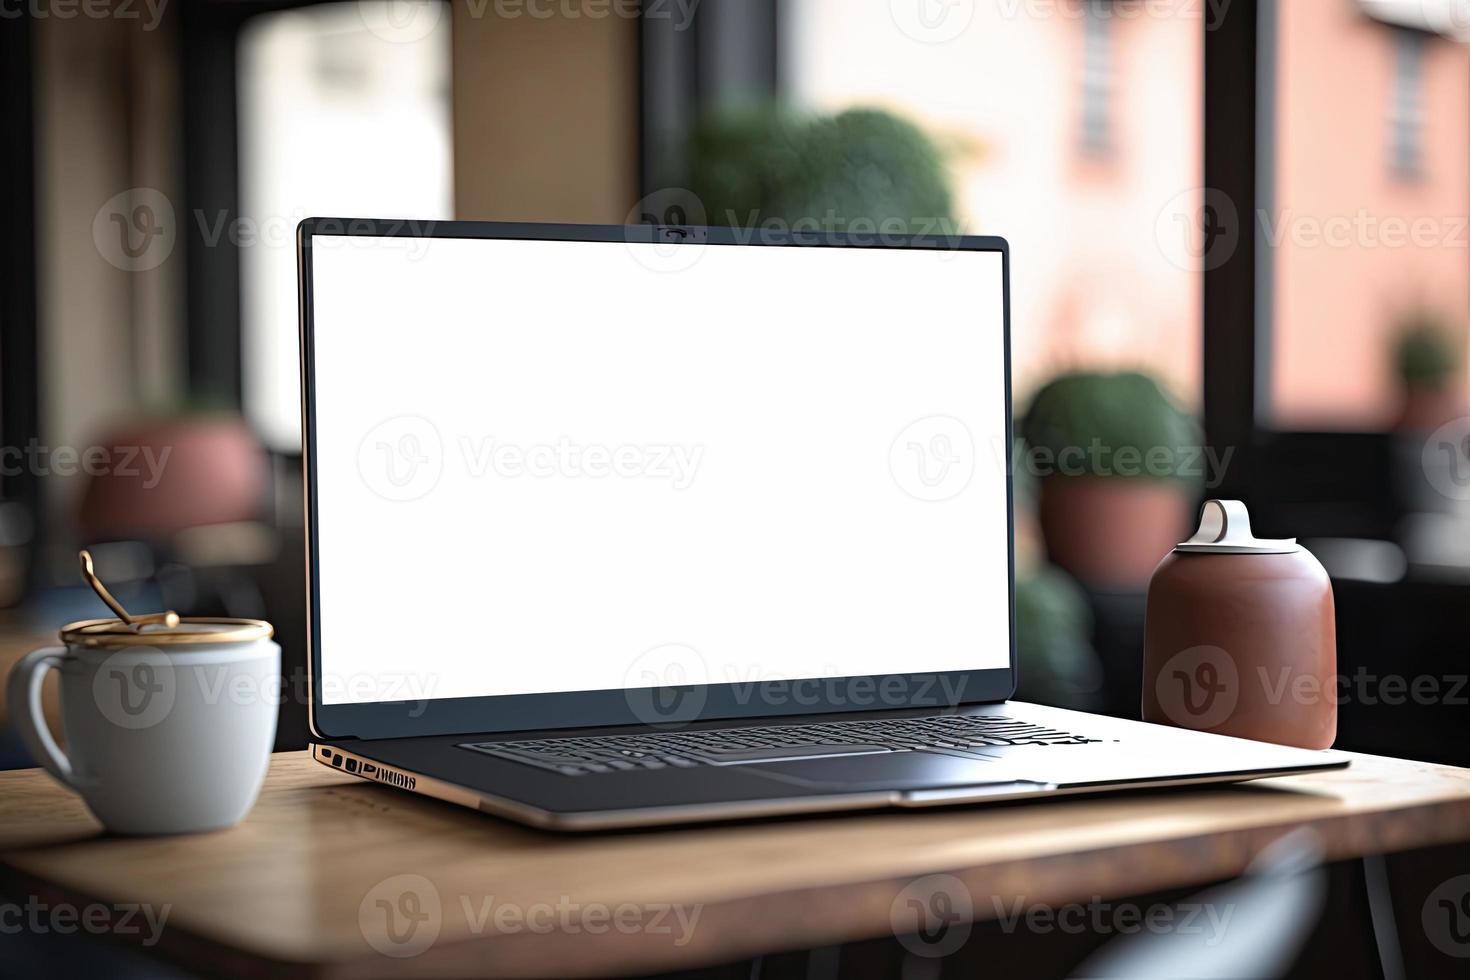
(194, 629)
(155, 629)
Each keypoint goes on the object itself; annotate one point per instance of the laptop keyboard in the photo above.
(732, 746)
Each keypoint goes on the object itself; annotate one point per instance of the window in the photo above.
(1406, 117)
(1358, 255)
(343, 111)
(1097, 77)
(1106, 270)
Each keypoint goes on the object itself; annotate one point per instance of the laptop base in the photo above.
(1123, 755)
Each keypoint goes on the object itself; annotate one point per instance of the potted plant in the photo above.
(1053, 622)
(160, 474)
(863, 170)
(1426, 360)
(1118, 463)
(1058, 665)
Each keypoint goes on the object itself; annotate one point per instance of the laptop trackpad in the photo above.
(891, 770)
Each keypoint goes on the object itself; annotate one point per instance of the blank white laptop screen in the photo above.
(552, 466)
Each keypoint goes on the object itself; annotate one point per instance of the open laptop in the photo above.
(616, 527)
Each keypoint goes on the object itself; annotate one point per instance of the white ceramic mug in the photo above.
(162, 737)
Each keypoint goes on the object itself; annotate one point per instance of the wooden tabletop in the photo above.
(327, 866)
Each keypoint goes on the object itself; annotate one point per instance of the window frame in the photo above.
(728, 53)
(209, 34)
(20, 380)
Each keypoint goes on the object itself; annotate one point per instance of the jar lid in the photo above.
(1225, 529)
(155, 629)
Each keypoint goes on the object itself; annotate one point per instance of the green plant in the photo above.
(1426, 353)
(1104, 424)
(863, 167)
(1057, 663)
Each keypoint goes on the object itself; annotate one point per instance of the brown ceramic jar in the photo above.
(1241, 637)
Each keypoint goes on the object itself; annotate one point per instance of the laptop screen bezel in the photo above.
(612, 708)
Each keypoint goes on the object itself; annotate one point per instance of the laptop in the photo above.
(630, 526)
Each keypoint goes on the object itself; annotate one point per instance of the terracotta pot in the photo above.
(1426, 409)
(1241, 637)
(1111, 532)
(167, 475)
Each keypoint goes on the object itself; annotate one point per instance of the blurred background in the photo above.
(1239, 233)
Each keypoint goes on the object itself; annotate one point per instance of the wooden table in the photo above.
(302, 887)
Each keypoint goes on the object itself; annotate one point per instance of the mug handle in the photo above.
(24, 694)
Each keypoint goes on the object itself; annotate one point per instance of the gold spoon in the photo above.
(169, 619)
